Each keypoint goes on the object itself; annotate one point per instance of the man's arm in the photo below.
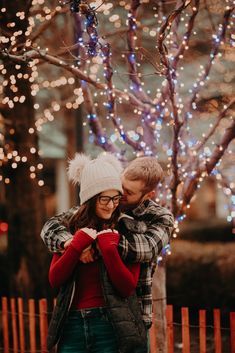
(146, 240)
(55, 233)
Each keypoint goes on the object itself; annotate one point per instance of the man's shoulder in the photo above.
(152, 213)
(152, 208)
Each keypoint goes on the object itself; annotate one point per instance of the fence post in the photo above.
(202, 330)
(185, 330)
(21, 325)
(232, 331)
(5, 325)
(43, 324)
(32, 322)
(14, 325)
(170, 331)
(217, 331)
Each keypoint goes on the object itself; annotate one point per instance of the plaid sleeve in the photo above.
(55, 232)
(146, 246)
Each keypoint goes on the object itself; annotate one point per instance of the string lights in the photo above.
(143, 77)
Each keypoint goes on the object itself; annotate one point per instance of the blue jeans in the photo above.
(88, 331)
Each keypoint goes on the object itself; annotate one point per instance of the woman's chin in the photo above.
(105, 216)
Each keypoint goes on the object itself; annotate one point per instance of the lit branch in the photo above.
(186, 35)
(131, 56)
(134, 75)
(220, 149)
(190, 185)
(91, 24)
(169, 73)
(218, 39)
(211, 132)
(132, 100)
(175, 27)
(101, 138)
(166, 26)
(182, 47)
(111, 105)
(40, 54)
(230, 192)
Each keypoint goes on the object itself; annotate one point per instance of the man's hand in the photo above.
(87, 255)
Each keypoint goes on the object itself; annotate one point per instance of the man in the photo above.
(145, 227)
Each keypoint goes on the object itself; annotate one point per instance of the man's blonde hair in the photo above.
(146, 169)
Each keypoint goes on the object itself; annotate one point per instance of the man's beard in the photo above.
(128, 207)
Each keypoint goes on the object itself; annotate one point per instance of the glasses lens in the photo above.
(116, 199)
(104, 200)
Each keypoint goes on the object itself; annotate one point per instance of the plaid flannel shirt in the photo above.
(144, 232)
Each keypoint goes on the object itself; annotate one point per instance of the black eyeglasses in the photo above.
(105, 200)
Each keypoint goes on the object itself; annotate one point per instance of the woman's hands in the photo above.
(87, 255)
(89, 231)
(112, 236)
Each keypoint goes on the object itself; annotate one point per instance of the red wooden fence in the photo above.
(24, 325)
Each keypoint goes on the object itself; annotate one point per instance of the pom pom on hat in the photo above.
(76, 166)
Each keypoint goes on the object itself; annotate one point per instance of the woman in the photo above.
(93, 314)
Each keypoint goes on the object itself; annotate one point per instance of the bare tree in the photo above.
(25, 208)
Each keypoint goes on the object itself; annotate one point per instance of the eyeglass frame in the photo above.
(119, 196)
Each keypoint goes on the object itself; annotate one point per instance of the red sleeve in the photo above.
(62, 266)
(123, 277)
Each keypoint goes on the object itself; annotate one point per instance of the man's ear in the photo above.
(150, 195)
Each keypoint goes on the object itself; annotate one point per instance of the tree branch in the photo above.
(211, 132)
(47, 23)
(219, 38)
(170, 73)
(191, 183)
(181, 49)
(108, 73)
(101, 138)
(131, 56)
(39, 54)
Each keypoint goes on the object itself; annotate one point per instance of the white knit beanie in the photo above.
(95, 176)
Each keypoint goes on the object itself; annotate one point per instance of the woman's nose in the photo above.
(111, 204)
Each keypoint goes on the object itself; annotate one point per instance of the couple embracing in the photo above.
(105, 254)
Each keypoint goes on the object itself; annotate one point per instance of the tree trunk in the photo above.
(159, 307)
(27, 256)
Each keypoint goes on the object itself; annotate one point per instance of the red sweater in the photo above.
(88, 286)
